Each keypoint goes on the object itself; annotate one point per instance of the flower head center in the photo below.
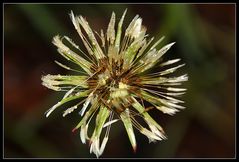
(110, 82)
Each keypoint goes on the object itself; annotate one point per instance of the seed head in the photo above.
(114, 80)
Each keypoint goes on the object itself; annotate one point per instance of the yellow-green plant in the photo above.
(114, 80)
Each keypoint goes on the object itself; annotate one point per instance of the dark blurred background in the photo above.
(205, 36)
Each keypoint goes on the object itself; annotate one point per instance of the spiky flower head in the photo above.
(115, 80)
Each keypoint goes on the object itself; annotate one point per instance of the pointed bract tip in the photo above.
(47, 114)
(134, 149)
(71, 14)
(90, 142)
(125, 11)
(73, 130)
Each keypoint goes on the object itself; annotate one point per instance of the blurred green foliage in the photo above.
(205, 36)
